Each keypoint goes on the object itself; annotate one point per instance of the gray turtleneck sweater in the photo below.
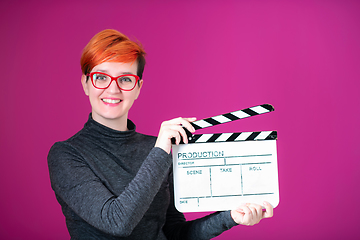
(117, 185)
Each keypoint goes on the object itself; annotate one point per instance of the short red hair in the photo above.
(113, 46)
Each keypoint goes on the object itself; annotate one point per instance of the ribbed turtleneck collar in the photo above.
(104, 131)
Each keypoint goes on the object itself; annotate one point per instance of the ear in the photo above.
(85, 85)
(140, 86)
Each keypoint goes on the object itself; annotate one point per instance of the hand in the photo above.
(250, 214)
(173, 129)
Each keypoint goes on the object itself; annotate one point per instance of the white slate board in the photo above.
(218, 176)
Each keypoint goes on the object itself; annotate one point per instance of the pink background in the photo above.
(302, 57)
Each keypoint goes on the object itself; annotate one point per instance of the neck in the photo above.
(119, 124)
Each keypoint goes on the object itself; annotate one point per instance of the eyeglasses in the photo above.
(126, 82)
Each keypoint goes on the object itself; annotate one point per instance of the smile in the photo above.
(111, 100)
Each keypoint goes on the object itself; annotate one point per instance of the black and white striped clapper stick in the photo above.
(229, 117)
(232, 116)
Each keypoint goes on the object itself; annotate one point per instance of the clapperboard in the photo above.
(217, 172)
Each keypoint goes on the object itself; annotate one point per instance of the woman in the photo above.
(115, 183)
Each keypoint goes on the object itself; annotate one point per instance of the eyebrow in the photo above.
(105, 71)
(127, 73)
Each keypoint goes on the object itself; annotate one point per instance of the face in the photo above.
(111, 106)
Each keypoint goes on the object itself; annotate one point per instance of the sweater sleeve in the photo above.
(75, 183)
(210, 226)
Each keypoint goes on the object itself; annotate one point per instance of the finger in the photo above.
(172, 132)
(254, 214)
(186, 123)
(177, 121)
(192, 119)
(269, 211)
(247, 210)
(179, 131)
(258, 209)
(184, 129)
(248, 216)
(182, 126)
(259, 212)
(184, 135)
(177, 137)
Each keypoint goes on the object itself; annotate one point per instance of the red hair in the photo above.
(112, 46)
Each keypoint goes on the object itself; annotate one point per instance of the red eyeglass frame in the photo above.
(113, 79)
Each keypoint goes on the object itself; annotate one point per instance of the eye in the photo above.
(126, 79)
(99, 77)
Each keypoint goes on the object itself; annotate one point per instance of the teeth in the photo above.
(111, 100)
